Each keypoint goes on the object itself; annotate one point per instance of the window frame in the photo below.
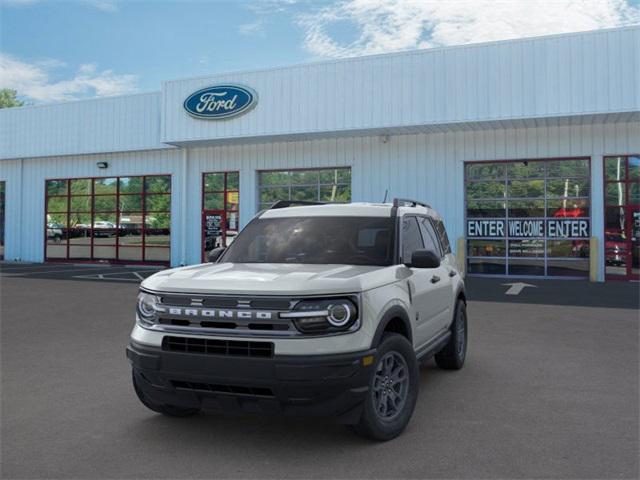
(506, 199)
(91, 212)
(260, 187)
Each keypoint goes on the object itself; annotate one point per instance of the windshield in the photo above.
(341, 240)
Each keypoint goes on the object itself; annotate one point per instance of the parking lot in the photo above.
(550, 389)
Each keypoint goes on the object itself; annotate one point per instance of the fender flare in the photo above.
(395, 311)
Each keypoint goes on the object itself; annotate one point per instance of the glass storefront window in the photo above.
(2, 199)
(521, 215)
(220, 204)
(622, 217)
(109, 219)
(328, 185)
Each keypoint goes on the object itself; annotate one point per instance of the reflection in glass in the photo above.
(615, 194)
(130, 253)
(56, 187)
(568, 168)
(526, 189)
(214, 201)
(158, 184)
(485, 171)
(525, 169)
(568, 188)
(81, 186)
(130, 203)
(80, 252)
(157, 237)
(568, 248)
(233, 181)
(57, 204)
(130, 185)
(568, 268)
(104, 252)
(634, 168)
(526, 248)
(486, 248)
(614, 168)
(486, 190)
(568, 208)
(80, 204)
(214, 182)
(157, 254)
(518, 266)
(158, 203)
(485, 209)
(104, 203)
(105, 186)
(526, 208)
(615, 219)
(487, 266)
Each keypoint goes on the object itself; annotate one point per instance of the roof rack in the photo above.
(294, 203)
(404, 202)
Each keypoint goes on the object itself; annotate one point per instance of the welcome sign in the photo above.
(220, 102)
(528, 228)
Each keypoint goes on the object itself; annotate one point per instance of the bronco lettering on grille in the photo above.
(217, 313)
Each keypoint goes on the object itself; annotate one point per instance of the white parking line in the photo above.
(103, 276)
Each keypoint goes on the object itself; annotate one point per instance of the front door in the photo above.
(220, 217)
(622, 217)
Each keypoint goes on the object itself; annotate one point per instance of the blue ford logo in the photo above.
(220, 101)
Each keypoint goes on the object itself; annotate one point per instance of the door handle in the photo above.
(452, 273)
(435, 279)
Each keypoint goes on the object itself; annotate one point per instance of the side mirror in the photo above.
(215, 254)
(424, 259)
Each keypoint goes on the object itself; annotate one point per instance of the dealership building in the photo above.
(529, 149)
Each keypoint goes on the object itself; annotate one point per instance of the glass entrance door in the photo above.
(622, 217)
(220, 202)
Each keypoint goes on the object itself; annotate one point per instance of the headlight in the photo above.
(324, 315)
(146, 307)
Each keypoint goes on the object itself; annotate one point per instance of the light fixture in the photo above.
(102, 165)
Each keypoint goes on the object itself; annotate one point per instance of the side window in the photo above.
(411, 239)
(444, 239)
(430, 237)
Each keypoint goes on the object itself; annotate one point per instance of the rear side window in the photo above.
(430, 237)
(442, 233)
(411, 238)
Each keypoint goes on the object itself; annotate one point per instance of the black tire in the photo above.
(452, 356)
(169, 410)
(383, 426)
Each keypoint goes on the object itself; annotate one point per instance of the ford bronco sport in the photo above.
(313, 310)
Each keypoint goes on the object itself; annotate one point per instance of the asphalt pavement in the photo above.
(549, 390)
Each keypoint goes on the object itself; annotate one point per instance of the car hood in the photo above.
(270, 279)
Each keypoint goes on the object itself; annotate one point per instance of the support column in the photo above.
(248, 195)
(597, 214)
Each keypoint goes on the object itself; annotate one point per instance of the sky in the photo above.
(55, 50)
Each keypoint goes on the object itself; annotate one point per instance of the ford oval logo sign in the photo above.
(220, 101)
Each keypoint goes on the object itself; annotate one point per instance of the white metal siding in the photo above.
(115, 124)
(422, 166)
(558, 76)
(25, 199)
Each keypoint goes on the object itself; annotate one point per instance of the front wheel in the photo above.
(393, 390)
(452, 356)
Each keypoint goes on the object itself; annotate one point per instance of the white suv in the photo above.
(313, 310)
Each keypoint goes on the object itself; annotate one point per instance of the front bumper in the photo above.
(312, 385)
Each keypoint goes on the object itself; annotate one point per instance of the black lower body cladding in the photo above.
(315, 385)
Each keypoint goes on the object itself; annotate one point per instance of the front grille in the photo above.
(218, 347)
(215, 388)
(265, 303)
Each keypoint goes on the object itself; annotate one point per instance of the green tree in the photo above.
(8, 98)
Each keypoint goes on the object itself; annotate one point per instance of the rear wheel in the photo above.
(169, 410)
(452, 356)
(393, 390)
